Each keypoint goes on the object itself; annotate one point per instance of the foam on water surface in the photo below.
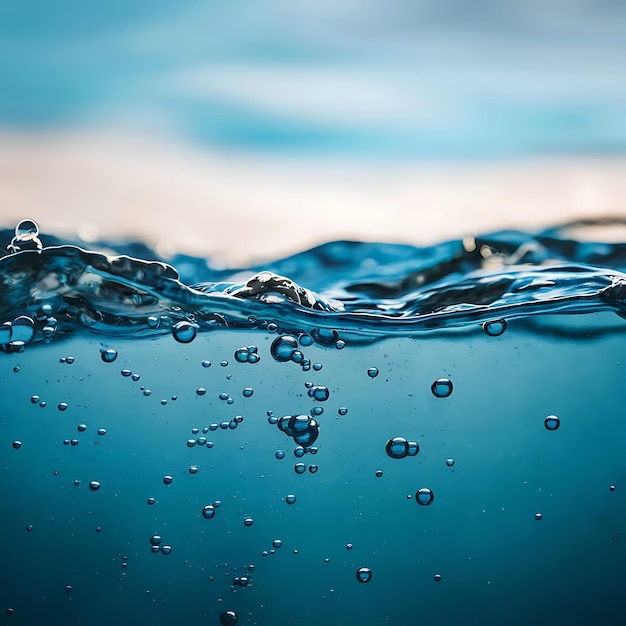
(181, 444)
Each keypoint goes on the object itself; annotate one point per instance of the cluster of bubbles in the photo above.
(16, 334)
(286, 348)
(156, 545)
(247, 354)
(304, 429)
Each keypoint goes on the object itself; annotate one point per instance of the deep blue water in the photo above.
(115, 371)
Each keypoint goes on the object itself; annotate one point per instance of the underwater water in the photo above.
(359, 434)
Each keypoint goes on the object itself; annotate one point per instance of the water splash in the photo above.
(354, 291)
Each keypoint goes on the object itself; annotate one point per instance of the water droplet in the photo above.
(228, 618)
(166, 549)
(441, 388)
(109, 355)
(17, 445)
(283, 347)
(290, 499)
(184, 332)
(449, 462)
(299, 468)
(372, 372)
(397, 448)
(94, 485)
(167, 480)
(424, 496)
(277, 543)
(208, 511)
(494, 328)
(364, 574)
(248, 522)
(552, 422)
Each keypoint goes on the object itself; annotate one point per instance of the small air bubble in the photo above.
(364, 574)
(94, 485)
(538, 516)
(552, 422)
(372, 372)
(17, 445)
(167, 480)
(424, 496)
(494, 328)
(62, 406)
(441, 388)
(184, 332)
(208, 511)
(109, 355)
(290, 499)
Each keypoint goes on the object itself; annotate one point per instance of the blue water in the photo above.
(126, 371)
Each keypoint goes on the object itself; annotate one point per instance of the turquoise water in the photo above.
(116, 377)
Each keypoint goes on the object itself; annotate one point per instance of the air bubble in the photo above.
(342, 410)
(151, 501)
(228, 618)
(379, 473)
(319, 393)
(208, 511)
(167, 480)
(81, 428)
(94, 485)
(424, 496)
(412, 448)
(538, 516)
(299, 468)
(283, 347)
(166, 549)
(17, 445)
(364, 574)
(397, 448)
(126, 373)
(248, 392)
(248, 522)
(277, 543)
(449, 462)
(437, 577)
(441, 388)
(184, 332)
(494, 328)
(155, 540)
(280, 454)
(313, 469)
(552, 422)
(193, 469)
(206, 363)
(290, 499)
(109, 355)
(372, 372)
(62, 406)
(200, 391)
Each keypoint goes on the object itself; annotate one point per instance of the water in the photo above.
(484, 512)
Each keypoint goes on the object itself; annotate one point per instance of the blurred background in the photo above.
(246, 131)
